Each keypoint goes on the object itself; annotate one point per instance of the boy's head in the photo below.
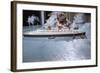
(61, 18)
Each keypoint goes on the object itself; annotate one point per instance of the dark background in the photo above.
(27, 13)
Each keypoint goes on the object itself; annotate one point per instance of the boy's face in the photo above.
(61, 18)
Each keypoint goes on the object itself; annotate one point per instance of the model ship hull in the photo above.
(54, 34)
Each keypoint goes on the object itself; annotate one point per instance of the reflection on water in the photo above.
(44, 49)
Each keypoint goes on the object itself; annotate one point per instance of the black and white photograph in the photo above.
(56, 36)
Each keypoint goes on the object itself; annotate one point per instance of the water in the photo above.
(44, 49)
